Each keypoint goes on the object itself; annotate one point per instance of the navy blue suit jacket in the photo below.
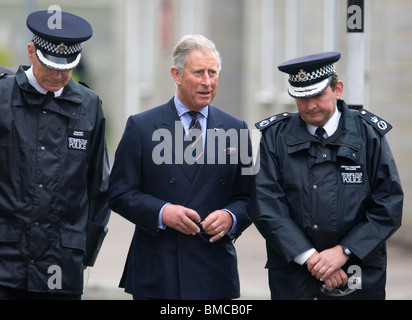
(167, 264)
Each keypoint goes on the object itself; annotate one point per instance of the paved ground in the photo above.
(103, 278)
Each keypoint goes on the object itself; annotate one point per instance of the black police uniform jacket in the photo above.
(53, 185)
(347, 192)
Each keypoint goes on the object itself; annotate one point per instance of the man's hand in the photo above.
(336, 279)
(326, 266)
(181, 219)
(218, 223)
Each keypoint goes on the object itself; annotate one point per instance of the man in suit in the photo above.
(188, 200)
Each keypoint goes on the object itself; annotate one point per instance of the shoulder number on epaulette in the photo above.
(379, 124)
(271, 120)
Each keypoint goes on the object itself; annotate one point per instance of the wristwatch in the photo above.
(346, 250)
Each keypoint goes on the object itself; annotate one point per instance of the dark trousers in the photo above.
(16, 294)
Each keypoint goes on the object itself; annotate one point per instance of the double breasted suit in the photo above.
(166, 263)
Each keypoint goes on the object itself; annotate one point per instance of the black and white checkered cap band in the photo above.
(56, 49)
(303, 76)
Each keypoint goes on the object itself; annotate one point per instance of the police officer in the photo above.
(328, 194)
(54, 167)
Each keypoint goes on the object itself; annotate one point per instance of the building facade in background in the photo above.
(129, 57)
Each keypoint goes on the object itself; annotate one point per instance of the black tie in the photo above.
(198, 143)
(320, 133)
(47, 98)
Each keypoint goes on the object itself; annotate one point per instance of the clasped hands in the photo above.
(327, 265)
(182, 219)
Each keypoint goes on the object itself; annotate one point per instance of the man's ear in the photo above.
(339, 90)
(31, 52)
(177, 77)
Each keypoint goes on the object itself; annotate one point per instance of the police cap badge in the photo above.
(310, 75)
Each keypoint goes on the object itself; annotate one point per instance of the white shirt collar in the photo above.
(330, 127)
(33, 81)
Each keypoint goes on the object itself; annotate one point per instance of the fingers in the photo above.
(181, 219)
(218, 223)
(336, 279)
(312, 261)
(343, 276)
(321, 271)
(217, 237)
(331, 283)
(329, 261)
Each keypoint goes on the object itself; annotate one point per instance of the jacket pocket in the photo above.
(10, 232)
(73, 239)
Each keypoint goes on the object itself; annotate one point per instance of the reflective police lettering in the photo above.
(78, 139)
(228, 309)
(351, 174)
(77, 144)
(352, 177)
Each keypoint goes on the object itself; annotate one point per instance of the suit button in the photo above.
(222, 182)
(172, 181)
(180, 244)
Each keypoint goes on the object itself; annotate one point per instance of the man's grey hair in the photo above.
(189, 43)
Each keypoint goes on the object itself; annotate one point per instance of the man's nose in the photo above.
(310, 103)
(57, 74)
(206, 79)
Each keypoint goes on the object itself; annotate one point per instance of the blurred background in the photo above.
(128, 59)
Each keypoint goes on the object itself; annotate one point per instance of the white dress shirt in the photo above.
(33, 81)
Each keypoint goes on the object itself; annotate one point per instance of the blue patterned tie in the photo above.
(198, 143)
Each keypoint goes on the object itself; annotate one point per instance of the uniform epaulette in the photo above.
(261, 125)
(84, 84)
(379, 124)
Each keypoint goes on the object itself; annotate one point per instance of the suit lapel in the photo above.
(169, 120)
(206, 171)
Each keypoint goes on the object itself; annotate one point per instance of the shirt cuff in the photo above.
(232, 230)
(160, 224)
(301, 258)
